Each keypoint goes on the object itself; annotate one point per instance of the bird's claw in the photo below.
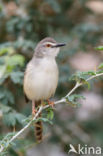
(34, 111)
(51, 103)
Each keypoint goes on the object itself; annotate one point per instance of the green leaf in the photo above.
(19, 117)
(44, 120)
(14, 60)
(100, 66)
(55, 5)
(4, 153)
(82, 76)
(2, 70)
(87, 83)
(6, 96)
(4, 108)
(90, 73)
(3, 78)
(50, 113)
(17, 77)
(9, 119)
(28, 119)
(5, 141)
(73, 99)
(10, 97)
(12, 118)
(24, 44)
(99, 72)
(8, 50)
(99, 48)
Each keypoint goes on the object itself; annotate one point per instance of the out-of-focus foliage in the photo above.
(22, 24)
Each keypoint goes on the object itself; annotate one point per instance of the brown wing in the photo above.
(26, 99)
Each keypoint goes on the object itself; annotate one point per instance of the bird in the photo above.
(41, 77)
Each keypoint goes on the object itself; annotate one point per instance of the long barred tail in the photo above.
(38, 130)
(38, 125)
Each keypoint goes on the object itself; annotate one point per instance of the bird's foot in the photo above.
(51, 103)
(34, 111)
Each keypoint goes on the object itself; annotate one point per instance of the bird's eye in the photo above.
(48, 45)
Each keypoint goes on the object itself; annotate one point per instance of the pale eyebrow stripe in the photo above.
(49, 43)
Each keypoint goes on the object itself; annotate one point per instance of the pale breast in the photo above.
(41, 79)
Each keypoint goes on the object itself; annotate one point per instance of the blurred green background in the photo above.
(79, 24)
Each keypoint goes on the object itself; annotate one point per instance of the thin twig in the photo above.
(23, 129)
(74, 88)
(94, 76)
(77, 85)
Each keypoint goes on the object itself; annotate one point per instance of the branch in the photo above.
(23, 129)
(77, 85)
(94, 76)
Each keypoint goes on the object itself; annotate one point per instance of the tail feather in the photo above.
(38, 125)
(38, 130)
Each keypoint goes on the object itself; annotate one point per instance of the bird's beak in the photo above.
(58, 45)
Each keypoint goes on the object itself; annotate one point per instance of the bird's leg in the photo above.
(51, 103)
(33, 108)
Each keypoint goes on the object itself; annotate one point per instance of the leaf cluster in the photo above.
(74, 100)
(10, 116)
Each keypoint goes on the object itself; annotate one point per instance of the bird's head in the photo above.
(48, 47)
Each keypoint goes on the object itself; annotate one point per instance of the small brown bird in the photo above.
(41, 76)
